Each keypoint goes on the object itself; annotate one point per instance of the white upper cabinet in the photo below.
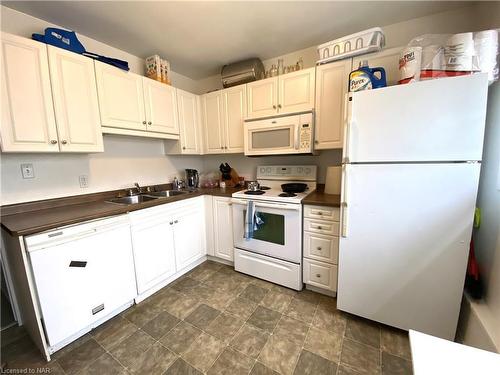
(331, 87)
(213, 120)
(161, 107)
(28, 121)
(189, 123)
(387, 59)
(75, 101)
(287, 93)
(296, 91)
(263, 97)
(235, 110)
(121, 100)
(223, 115)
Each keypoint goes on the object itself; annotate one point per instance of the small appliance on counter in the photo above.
(192, 178)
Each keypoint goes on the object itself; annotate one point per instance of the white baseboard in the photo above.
(476, 326)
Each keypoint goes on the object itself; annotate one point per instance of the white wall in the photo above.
(126, 160)
(398, 34)
(247, 167)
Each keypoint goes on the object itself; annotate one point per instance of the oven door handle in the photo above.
(279, 206)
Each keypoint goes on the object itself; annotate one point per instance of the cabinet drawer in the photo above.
(322, 212)
(321, 247)
(321, 275)
(321, 226)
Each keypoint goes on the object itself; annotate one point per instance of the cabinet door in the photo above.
(189, 235)
(223, 228)
(28, 121)
(154, 256)
(387, 59)
(235, 111)
(263, 97)
(213, 120)
(161, 107)
(331, 86)
(75, 101)
(296, 91)
(121, 99)
(188, 122)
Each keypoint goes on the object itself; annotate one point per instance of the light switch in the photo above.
(27, 171)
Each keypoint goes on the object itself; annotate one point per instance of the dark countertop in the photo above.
(51, 214)
(319, 198)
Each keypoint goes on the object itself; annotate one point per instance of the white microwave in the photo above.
(279, 135)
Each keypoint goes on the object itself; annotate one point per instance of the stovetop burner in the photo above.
(288, 195)
(265, 188)
(257, 192)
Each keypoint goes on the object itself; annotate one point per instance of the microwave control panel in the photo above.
(305, 136)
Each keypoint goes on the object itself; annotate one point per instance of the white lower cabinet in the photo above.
(166, 239)
(223, 228)
(321, 247)
(153, 243)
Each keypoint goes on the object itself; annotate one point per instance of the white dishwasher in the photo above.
(83, 273)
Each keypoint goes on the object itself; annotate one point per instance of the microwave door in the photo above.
(268, 138)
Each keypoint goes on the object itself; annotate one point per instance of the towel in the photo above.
(249, 220)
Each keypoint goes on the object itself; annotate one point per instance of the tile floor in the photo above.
(217, 321)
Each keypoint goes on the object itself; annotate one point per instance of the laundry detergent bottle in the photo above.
(366, 78)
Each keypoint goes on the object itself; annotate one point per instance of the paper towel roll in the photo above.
(333, 180)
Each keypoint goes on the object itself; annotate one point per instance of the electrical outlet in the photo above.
(84, 181)
(27, 171)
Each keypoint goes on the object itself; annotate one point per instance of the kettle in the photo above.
(192, 178)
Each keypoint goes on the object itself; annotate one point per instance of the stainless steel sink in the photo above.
(167, 193)
(133, 199)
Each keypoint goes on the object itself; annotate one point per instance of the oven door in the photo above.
(274, 136)
(280, 234)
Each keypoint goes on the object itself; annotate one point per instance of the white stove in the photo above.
(271, 246)
(272, 177)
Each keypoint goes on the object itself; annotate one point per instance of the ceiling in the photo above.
(199, 37)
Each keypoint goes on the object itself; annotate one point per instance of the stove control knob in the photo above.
(307, 170)
(262, 170)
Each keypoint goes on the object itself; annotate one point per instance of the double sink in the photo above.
(146, 197)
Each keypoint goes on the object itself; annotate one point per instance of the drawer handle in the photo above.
(77, 263)
(318, 275)
(97, 309)
(318, 248)
(319, 227)
(55, 234)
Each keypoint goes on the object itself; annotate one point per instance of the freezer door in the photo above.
(405, 239)
(437, 120)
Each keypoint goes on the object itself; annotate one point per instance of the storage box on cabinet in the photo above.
(321, 246)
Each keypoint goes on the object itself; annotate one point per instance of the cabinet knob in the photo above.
(318, 248)
(225, 147)
(319, 227)
(318, 275)
(176, 221)
(149, 122)
(320, 213)
(222, 147)
(64, 141)
(171, 223)
(279, 105)
(144, 122)
(316, 142)
(183, 147)
(53, 142)
(274, 107)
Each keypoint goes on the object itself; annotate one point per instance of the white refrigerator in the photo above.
(411, 163)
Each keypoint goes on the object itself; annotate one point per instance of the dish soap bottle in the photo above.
(366, 78)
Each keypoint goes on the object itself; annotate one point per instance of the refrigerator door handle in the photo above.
(347, 120)
(344, 205)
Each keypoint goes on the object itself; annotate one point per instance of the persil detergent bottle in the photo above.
(366, 78)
